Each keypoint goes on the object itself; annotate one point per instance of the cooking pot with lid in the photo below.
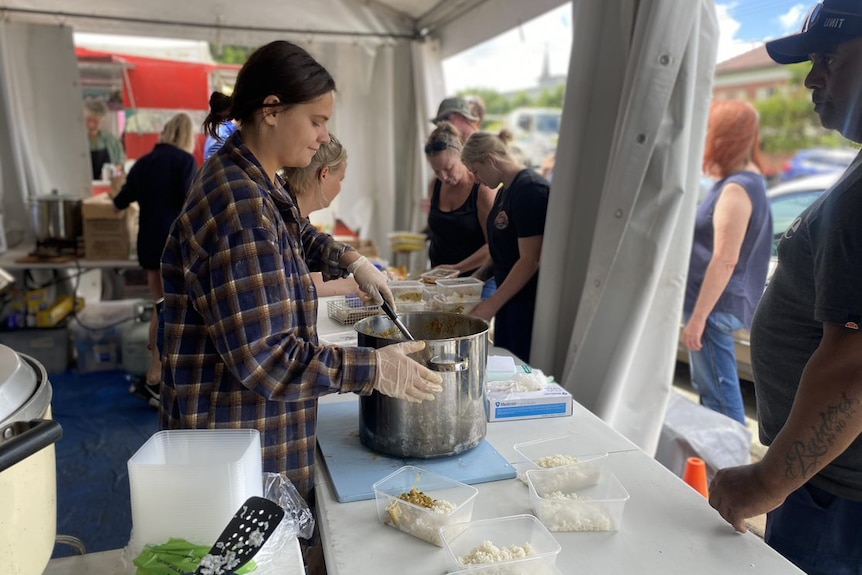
(456, 346)
(56, 217)
(28, 483)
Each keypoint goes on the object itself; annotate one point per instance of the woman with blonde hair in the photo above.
(730, 255)
(158, 181)
(315, 187)
(515, 229)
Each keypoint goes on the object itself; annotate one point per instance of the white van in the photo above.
(536, 131)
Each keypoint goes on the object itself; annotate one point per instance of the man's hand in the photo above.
(739, 493)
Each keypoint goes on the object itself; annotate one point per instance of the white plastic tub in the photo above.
(514, 533)
(572, 499)
(555, 452)
(189, 483)
(422, 522)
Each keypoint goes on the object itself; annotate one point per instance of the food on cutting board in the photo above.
(487, 552)
(423, 523)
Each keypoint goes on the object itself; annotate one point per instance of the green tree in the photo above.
(788, 121)
(231, 54)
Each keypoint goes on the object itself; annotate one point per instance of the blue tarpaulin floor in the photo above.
(103, 426)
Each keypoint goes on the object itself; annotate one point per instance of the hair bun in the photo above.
(220, 104)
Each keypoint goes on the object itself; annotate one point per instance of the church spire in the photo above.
(546, 65)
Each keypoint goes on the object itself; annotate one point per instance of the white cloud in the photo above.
(792, 19)
(513, 60)
(728, 45)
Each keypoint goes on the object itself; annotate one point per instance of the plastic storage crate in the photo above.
(349, 309)
(49, 346)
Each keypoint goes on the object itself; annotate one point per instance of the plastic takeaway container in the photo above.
(532, 566)
(460, 289)
(523, 536)
(416, 520)
(554, 452)
(570, 499)
(189, 483)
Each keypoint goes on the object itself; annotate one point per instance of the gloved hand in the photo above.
(372, 281)
(402, 377)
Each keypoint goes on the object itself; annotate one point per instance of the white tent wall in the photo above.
(622, 206)
(42, 135)
(376, 119)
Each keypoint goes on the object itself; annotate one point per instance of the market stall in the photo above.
(666, 525)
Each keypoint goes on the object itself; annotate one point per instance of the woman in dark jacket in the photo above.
(158, 182)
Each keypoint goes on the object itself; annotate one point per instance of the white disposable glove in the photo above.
(372, 281)
(402, 377)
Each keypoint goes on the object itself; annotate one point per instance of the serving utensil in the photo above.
(398, 323)
(251, 526)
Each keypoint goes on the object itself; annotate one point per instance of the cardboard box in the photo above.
(365, 247)
(106, 233)
(100, 207)
(552, 401)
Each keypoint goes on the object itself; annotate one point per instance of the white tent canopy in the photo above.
(622, 202)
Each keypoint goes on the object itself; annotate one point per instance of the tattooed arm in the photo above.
(825, 419)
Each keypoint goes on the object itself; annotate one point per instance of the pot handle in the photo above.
(448, 363)
(24, 438)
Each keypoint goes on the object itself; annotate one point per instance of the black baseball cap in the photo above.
(829, 23)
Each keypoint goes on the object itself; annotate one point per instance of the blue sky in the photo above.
(743, 24)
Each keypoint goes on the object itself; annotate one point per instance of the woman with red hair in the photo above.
(730, 255)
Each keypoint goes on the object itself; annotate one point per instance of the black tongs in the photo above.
(391, 313)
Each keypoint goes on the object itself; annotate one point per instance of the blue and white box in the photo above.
(549, 401)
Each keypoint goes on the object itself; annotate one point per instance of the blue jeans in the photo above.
(713, 368)
(489, 288)
(817, 531)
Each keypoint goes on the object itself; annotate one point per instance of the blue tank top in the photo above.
(745, 287)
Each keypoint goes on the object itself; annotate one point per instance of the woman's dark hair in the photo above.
(279, 69)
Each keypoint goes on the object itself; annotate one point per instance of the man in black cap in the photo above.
(806, 343)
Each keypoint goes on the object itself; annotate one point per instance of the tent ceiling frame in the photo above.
(66, 16)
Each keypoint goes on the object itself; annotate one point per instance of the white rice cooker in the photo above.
(28, 480)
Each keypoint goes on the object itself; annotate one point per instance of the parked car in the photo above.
(786, 201)
(815, 161)
(536, 131)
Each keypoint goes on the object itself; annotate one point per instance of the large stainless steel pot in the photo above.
(56, 217)
(28, 480)
(456, 347)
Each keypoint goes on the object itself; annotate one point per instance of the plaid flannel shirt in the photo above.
(240, 345)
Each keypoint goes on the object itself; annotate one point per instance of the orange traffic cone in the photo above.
(695, 475)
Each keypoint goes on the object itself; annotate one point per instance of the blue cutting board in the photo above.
(354, 468)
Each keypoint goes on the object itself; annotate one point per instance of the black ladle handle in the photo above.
(391, 313)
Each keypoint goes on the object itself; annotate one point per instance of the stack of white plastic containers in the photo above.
(189, 483)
